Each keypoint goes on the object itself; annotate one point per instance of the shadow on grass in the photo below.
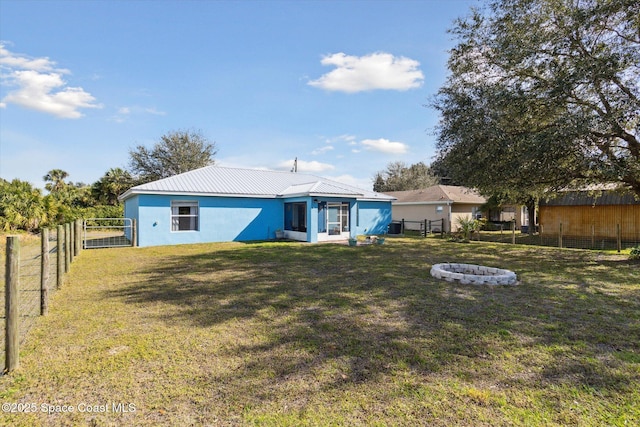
(332, 315)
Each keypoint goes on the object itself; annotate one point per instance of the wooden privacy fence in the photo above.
(33, 272)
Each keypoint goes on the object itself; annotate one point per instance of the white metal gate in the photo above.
(108, 233)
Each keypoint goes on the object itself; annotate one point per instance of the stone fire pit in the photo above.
(473, 274)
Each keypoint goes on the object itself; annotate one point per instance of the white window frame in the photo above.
(342, 217)
(177, 219)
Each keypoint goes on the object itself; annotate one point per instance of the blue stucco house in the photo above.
(219, 204)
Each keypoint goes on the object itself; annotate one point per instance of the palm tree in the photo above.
(21, 206)
(115, 182)
(55, 180)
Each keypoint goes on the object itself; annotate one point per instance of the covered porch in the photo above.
(319, 220)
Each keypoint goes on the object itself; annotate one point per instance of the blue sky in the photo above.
(341, 85)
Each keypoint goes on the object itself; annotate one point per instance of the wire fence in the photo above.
(40, 264)
(108, 233)
(606, 236)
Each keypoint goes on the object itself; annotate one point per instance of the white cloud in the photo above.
(154, 112)
(39, 86)
(322, 150)
(15, 61)
(374, 71)
(385, 146)
(306, 167)
(123, 113)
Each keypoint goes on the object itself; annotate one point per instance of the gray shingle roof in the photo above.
(438, 193)
(222, 181)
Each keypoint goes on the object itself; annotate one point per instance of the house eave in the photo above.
(441, 202)
(128, 194)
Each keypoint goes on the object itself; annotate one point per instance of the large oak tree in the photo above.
(176, 152)
(543, 94)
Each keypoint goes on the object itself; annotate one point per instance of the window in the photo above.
(439, 209)
(184, 216)
(295, 216)
(476, 212)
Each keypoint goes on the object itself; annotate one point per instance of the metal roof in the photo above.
(438, 194)
(591, 198)
(234, 182)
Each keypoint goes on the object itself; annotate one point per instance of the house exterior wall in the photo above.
(462, 211)
(130, 211)
(599, 221)
(450, 212)
(420, 212)
(371, 218)
(221, 219)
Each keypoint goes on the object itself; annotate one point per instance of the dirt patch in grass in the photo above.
(296, 334)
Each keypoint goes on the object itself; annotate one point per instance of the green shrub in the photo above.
(635, 253)
(468, 226)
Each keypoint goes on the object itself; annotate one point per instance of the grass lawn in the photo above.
(297, 334)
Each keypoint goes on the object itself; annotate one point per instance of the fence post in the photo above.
(72, 239)
(513, 232)
(560, 237)
(11, 303)
(134, 233)
(60, 256)
(618, 238)
(44, 272)
(402, 227)
(77, 243)
(67, 249)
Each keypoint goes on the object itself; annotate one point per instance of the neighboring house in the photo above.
(217, 204)
(445, 202)
(591, 213)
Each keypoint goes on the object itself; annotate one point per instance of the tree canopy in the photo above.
(22, 206)
(543, 94)
(55, 180)
(400, 177)
(176, 152)
(112, 184)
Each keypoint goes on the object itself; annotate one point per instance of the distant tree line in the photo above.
(398, 176)
(25, 207)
